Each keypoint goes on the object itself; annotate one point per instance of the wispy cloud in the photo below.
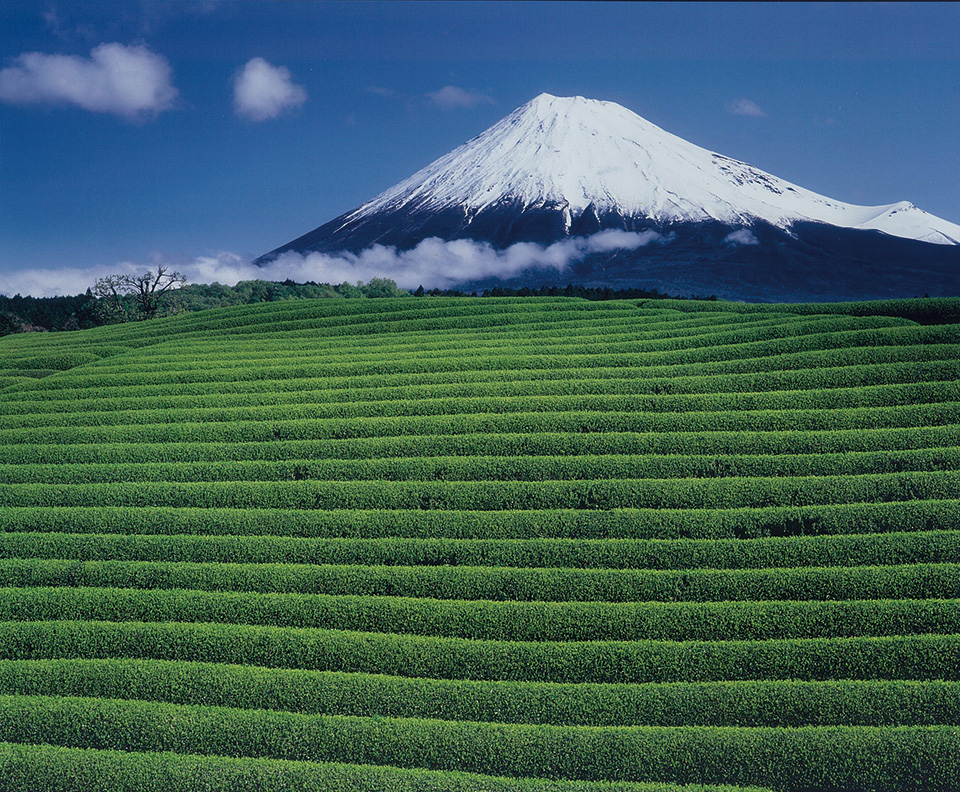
(742, 236)
(745, 107)
(450, 97)
(131, 82)
(54, 23)
(379, 90)
(262, 91)
(63, 27)
(433, 263)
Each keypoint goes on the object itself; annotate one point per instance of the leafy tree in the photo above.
(349, 291)
(382, 287)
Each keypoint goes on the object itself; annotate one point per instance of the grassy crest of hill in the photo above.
(20, 314)
(443, 543)
(925, 310)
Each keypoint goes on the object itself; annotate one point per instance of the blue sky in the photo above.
(182, 132)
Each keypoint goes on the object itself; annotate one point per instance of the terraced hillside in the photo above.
(497, 544)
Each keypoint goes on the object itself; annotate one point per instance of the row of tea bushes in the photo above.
(779, 703)
(825, 758)
(846, 534)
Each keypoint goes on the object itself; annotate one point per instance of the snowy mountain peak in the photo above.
(547, 106)
(575, 154)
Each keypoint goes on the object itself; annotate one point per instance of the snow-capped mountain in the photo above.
(561, 167)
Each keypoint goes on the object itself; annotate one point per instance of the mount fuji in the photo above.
(560, 168)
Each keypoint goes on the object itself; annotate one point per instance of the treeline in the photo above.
(19, 314)
(570, 290)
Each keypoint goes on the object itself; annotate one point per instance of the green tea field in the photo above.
(482, 544)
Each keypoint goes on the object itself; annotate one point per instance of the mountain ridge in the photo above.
(557, 168)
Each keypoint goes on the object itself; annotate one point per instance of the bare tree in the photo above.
(148, 289)
(137, 296)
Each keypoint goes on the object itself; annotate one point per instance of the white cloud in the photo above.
(132, 82)
(450, 97)
(59, 281)
(433, 264)
(745, 107)
(262, 91)
(741, 236)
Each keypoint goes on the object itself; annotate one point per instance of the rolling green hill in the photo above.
(483, 544)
